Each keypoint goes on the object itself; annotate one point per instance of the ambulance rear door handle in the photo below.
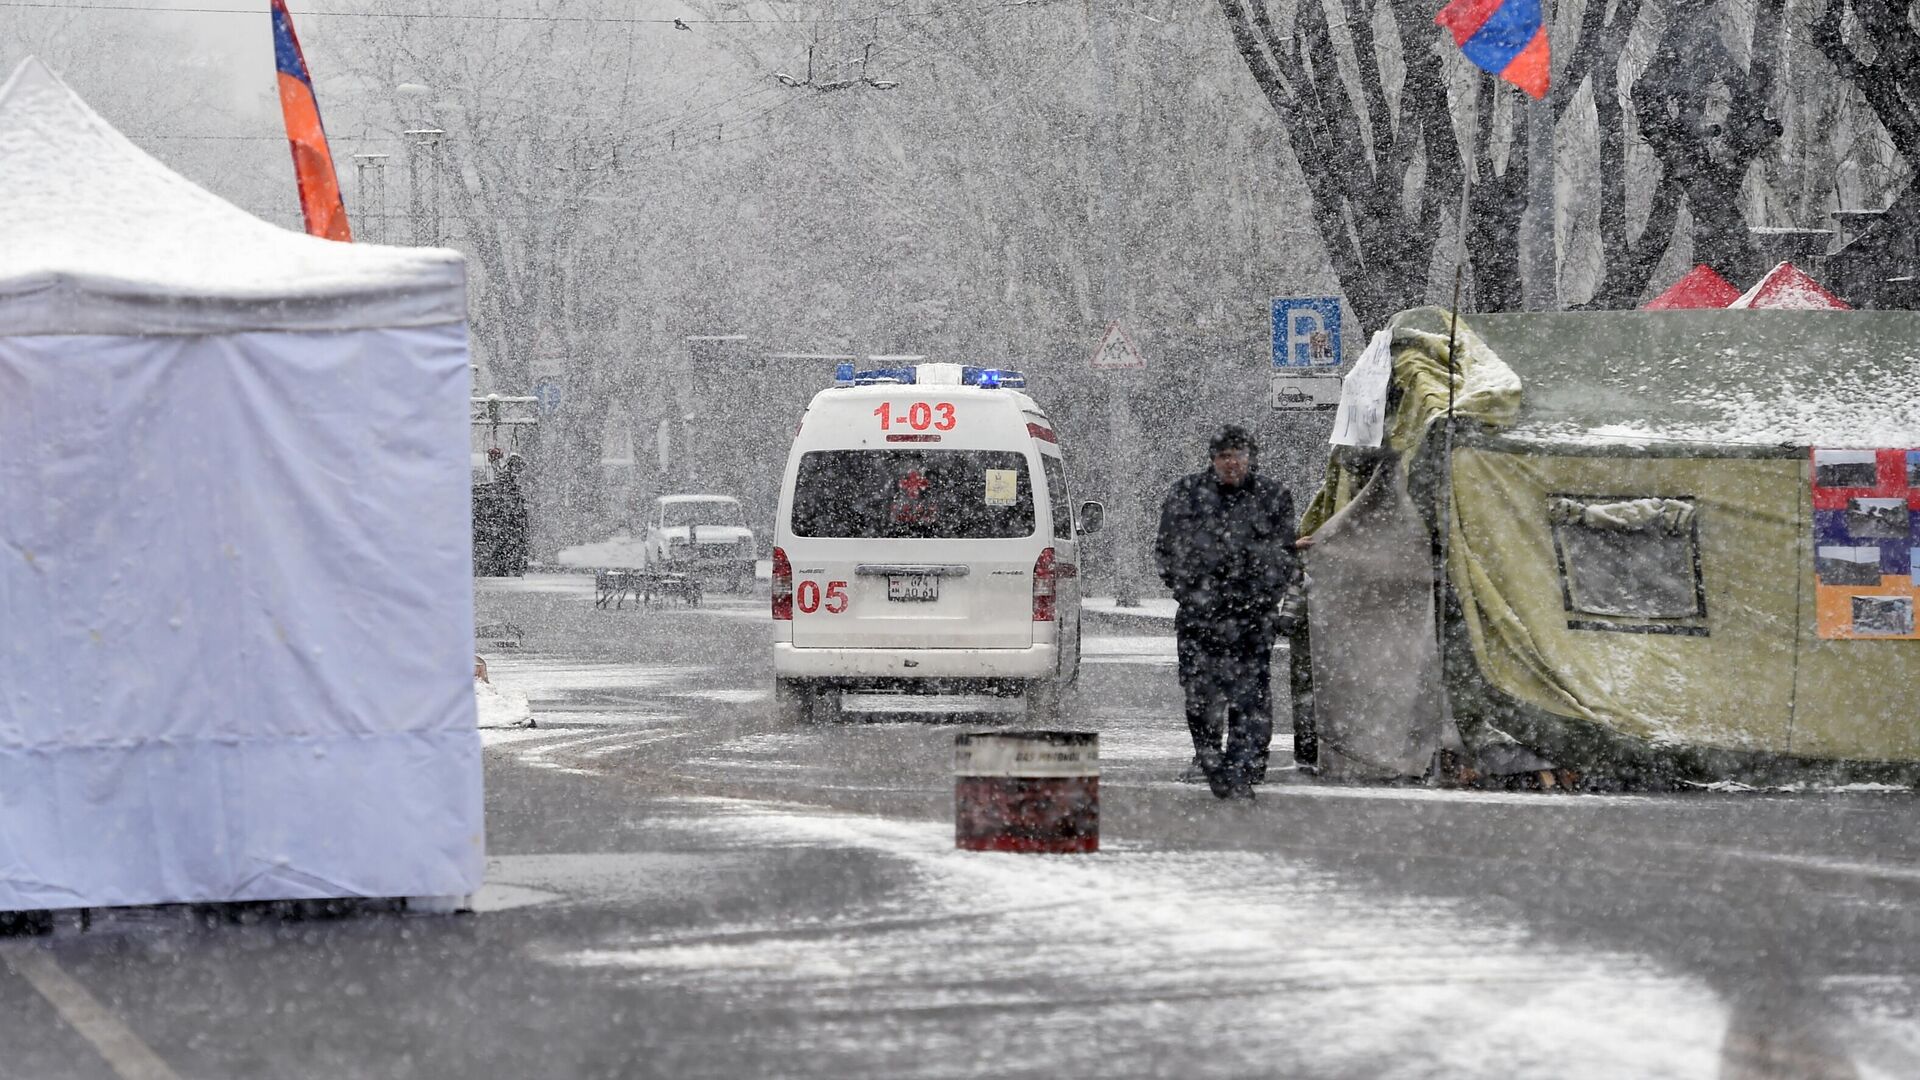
(885, 569)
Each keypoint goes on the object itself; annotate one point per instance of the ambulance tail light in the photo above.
(1043, 579)
(782, 586)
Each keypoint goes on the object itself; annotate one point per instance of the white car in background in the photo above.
(703, 535)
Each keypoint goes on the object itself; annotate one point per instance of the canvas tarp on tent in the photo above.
(1631, 550)
(1484, 391)
(1379, 706)
(234, 547)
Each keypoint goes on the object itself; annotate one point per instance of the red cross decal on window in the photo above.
(913, 484)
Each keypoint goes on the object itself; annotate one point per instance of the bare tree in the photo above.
(1667, 116)
(546, 184)
(1379, 177)
(1875, 46)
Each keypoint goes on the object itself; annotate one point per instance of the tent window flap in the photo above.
(1636, 558)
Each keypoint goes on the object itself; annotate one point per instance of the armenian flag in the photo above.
(312, 161)
(1507, 38)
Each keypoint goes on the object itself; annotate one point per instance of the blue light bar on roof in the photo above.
(877, 376)
(991, 378)
(985, 378)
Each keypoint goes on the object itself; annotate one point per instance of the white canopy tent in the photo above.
(236, 627)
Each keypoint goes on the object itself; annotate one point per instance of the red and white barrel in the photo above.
(1027, 791)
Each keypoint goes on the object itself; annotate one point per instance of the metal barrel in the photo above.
(1027, 791)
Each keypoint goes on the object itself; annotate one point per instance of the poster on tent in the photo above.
(1866, 543)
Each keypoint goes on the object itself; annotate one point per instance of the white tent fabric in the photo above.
(235, 558)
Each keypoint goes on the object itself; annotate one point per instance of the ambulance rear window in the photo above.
(895, 494)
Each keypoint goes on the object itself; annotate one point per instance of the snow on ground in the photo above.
(590, 710)
(542, 677)
(780, 751)
(577, 752)
(622, 551)
(1100, 649)
(1160, 744)
(492, 737)
(931, 704)
(1882, 1024)
(577, 584)
(752, 609)
(624, 877)
(1161, 607)
(730, 695)
(1112, 962)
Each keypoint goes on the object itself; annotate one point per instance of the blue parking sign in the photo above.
(547, 391)
(1306, 331)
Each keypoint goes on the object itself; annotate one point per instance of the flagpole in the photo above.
(1495, 51)
(1443, 491)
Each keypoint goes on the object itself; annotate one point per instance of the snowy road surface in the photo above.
(679, 887)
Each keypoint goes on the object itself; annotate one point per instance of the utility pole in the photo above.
(1539, 259)
(1122, 474)
(370, 175)
(719, 367)
(423, 181)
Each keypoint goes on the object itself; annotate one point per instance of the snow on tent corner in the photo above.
(97, 236)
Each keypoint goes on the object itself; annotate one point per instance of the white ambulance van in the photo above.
(924, 543)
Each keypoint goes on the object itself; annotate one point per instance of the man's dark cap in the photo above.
(1233, 437)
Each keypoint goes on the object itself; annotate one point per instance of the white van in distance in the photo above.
(924, 543)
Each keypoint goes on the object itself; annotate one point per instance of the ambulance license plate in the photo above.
(913, 587)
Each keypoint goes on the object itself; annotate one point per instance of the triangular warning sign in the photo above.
(1116, 350)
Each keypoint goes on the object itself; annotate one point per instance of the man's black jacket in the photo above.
(1226, 552)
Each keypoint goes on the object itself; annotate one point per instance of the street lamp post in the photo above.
(1122, 473)
(370, 174)
(423, 155)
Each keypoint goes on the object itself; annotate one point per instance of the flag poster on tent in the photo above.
(1866, 542)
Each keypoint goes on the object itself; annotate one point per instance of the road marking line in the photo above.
(125, 1054)
(1826, 864)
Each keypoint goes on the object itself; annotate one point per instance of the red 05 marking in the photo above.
(807, 597)
(921, 416)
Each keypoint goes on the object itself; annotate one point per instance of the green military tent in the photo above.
(1682, 544)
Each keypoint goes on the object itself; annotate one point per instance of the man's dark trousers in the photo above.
(1224, 662)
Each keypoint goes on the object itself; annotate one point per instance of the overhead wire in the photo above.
(664, 132)
(930, 13)
(690, 123)
(684, 127)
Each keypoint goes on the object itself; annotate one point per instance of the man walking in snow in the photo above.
(1226, 549)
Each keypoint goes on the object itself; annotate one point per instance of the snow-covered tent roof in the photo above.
(96, 236)
(1700, 287)
(1725, 379)
(1786, 287)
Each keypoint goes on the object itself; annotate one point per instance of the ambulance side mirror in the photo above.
(1091, 514)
